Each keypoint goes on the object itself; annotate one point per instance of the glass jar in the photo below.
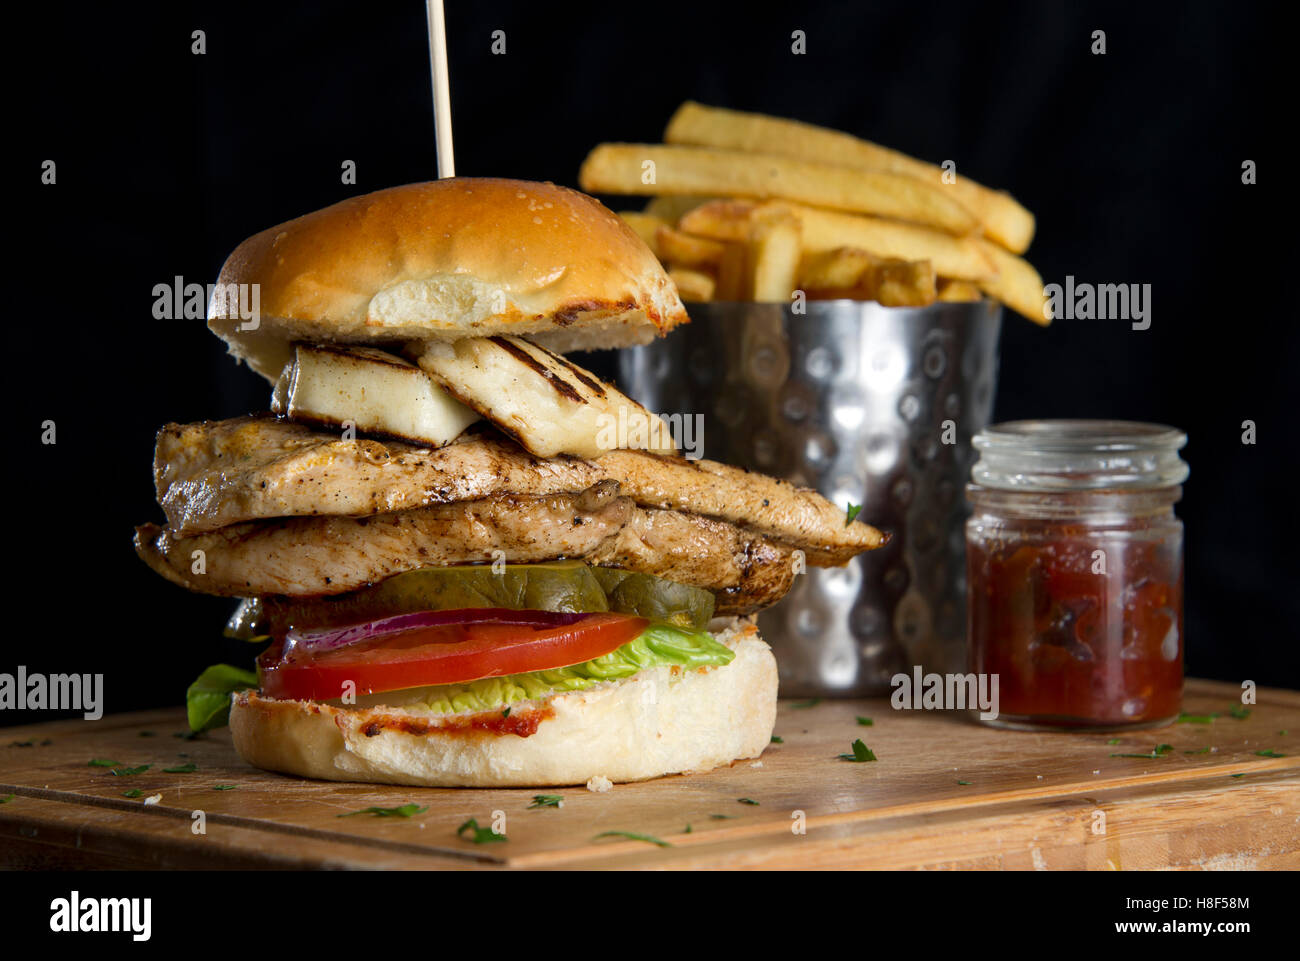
(1075, 573)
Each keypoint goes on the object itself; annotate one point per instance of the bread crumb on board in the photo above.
(600, 784)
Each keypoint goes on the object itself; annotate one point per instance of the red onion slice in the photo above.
(319, 641)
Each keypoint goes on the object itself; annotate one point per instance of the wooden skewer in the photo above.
(441, 91)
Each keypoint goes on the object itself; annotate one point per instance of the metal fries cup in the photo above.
(870, 405)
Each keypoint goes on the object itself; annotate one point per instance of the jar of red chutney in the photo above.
(1075, 573)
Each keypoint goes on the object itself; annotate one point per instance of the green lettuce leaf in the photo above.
(660, 645)
(207, 702)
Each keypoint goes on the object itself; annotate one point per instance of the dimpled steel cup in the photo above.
(870, 405)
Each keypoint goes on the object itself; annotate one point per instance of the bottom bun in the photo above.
(665, 720)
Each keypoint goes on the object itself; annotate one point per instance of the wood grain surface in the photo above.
(1045, 801)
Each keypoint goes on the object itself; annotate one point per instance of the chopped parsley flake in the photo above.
(405, 811)
(477, 834)
(860, 753)
(1160, 750)
(632, 836)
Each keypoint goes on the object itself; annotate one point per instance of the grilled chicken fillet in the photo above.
(313, 556)
(217, 473)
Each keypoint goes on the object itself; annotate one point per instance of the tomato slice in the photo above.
(481, 643)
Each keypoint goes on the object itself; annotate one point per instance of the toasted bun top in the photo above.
(454, 258)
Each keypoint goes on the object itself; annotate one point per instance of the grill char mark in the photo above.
(579, 374)
(561, 386)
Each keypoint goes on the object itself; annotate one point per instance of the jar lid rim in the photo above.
(1078, 435)
(1060, 455)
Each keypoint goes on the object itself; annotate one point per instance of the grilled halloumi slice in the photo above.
(375, 391)
(549, 404)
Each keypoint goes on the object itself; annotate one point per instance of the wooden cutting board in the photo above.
(944, 793)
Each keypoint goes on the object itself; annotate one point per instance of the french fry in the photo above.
(645, 226)
(1017, 285)
(670, 209)
(729, 220)
(834, 215)
(682, 250)
(731, 225)
(1003, 219)
(847, 272)
(958, 291)
(693, 286)
(735, 279)
(770, 239)
(833, 273)
(965, 258)
(622, 169)
(903, 283)
(775, 258)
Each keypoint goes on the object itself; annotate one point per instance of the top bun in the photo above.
(465, 257)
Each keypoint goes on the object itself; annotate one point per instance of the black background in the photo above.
(166, 160)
